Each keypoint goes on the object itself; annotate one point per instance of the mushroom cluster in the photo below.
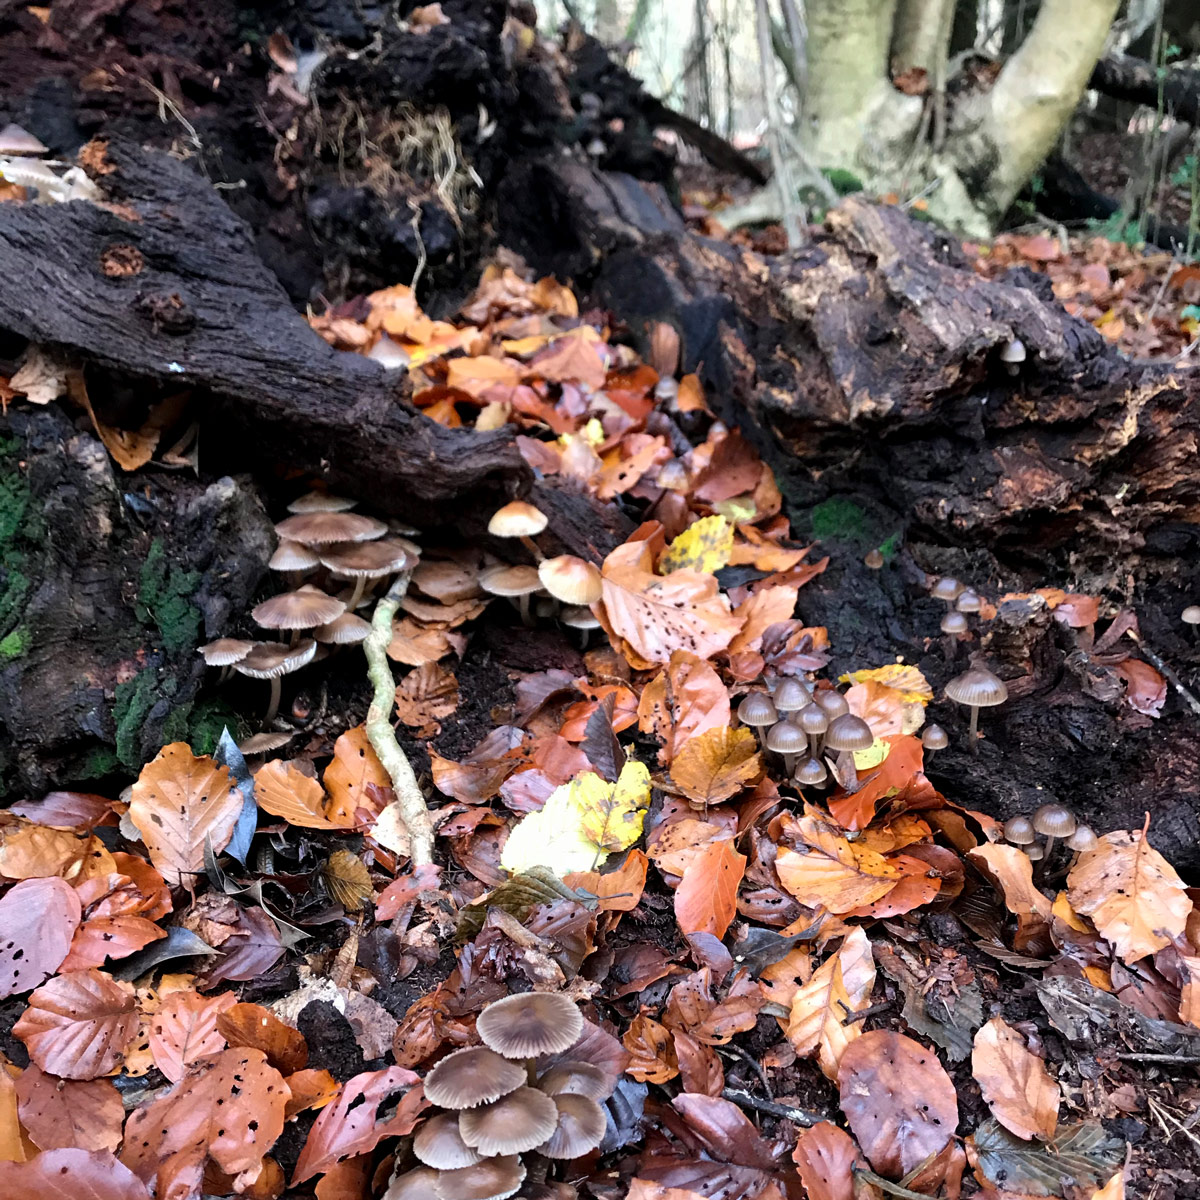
(503, 1108)
(1055, 823)
(347, 548)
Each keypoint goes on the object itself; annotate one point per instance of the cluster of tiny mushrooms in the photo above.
(1055, 823)
(508, 1108)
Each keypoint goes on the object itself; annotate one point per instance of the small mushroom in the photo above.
(326, 528)
(294, 559)
(791, 696)
(476, 1075)
(412, 1185)
(934, 738)
(580, 1128)
(873, 560)
(758, 712)
(846, 734)
(1036, 852)
(811, 773)
(582, 620)
(976, 688)
(439, 1144)
(788, 740)
(20, 143)
(1020, 831)
(274, 660)
(814, 720)
(968, 601)
(571, 580)
(946, 589)
(312, 502)
(519, 520)
(224, 652)
(1084, 838)
(264, 743)
(1191, 617)
(515, 583)
(1054, 821)
(832, 701)
(954, 624)
(1012, 355)
(305, 608)
(347, 630)
(575, 1079)
(366, 562)
(513, 1124)
(491, 1179)
(530, 1024)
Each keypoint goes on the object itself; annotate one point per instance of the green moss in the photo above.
(889, 547)
(838, 517)
(164, 593)
(205, 723)
(16, 643)
(101, 761)
(134, 700)
(21, 529)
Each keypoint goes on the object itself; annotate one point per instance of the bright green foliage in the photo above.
(16, 643)
(838, 517)
(164, 593)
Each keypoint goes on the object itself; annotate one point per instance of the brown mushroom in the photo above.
(946, 589)
(873, 560)
(294, 559)
(472, 1076)
(758, 712)
(571, 580)
(832, 701)
(789, 741)
(305, 608)
(519, 520)
(511, 1125)
(1054, 821)
(491, 1179)
(367, 561)
(438, 1143)
(224, 652)
(811, 773)
(968, 601)
(312, 502)
(954, 624)
(326, 528)
(347, 630)
(934, 737)
(791, 696)
(976, 688)
(264, 743)
(580, 1128)
(1020, 831)
(575, 1079)
(274, 660)
(814, 720)
(530, 1024)
(515, 583)
(581, 619)
(1084, 838)
(413, 1185)
(846, 734)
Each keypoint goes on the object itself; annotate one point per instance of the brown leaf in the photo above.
(184, 1030)
(355, 766)
(761, 611)
(79, 1024)
(1012, 871)
(258, 1028)
(478, 776)
(14, 1145)
(717, 764)
(251, 950)
(310, 1088)
(101, 938)
(34, 851)
(1014, 1081)
(424, 697)
(572, 357)
(71, 1174)
(706, 899)
(700, 1068)
(179, 803)
(348, 880)
(619, 890)
(681, 702)
(284, 791)
(652, 1051)
(38, 919)
(900, 1103)
(1131, 892)
(59, 1113)
(834, 873)
(826, 1157)
(227, 1108)
(1145, 688)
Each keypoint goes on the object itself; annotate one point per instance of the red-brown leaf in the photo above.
(706, 899)
(62, 1113)
(38, 919)
(826, 1157)
(184, 1030)
(70, 1174)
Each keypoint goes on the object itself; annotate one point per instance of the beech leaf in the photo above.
(825, 1156)
(1083, 1153)
(717, 764)
(833, 873)
(61, 1113)
(703, 546)
(706, 899)
(284, 791)
(1014, 1081)
(260, 1029)
(682, 702)
(71, 1174)
(38, 919)
(184, 1029)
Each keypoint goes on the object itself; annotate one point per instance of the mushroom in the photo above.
(367, 561)
(305, 608)
(519, 520)
(20, 143)
(976, 688)
(811, 773)
(935, 738)
(1084, 838)
(575, 1079)
(438, 1143)
(412, 1185)
(758, 711)
(814, 720)
(511, 1125)
(312, 502)
(1191, 617)
(788, 740)
(347, 630)
(846, 734)
(954, 624)
(472, 1076)
(516, 583)
(571, 580)
(1020, 831)
(791, 696)
(946, 589)
(873, 559)
(581, 619)
(968, 601)
(832, 701)
(1036, 852)
(273, 660)
(295, 559)
(1012, 355)
(326, 528)
(580, 1128)
(530, 1024)
(264, 743)
(1054, 821)
(491, 1179)
(224, 652)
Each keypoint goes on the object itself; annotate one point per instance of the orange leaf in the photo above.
(475, 375)
(706, 899)
(832, 873)
(625, 471)
(652, 1049)
(284, 791)
(310, 1088)
(717, 764)
(354, 766)
(574, 357)
(1012, 871)
(900, 774)
(1014, 1081)
(681, 702)
(35, 851)
(252, 1026)
(64, 1174)
(761, 610)
(616, 891)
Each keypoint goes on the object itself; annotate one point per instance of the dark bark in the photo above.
(1177, 89)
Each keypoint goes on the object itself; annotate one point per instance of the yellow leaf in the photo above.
(612, 815)
(704, 546)
(872, 756)
(907, 680)
(717, 764)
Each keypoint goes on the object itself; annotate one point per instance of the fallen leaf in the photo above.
(1012, 870)
(184, 1030)
(64, 1174)
(38, 919)
(258, 1028)
(310, 1088)
(34, 852)
(573, 357)
(759, 612)
(681, 702)
(1145, 688)
(706, 898)
(1014, 1081)
(283, 790)
(426, 695)
(833, 873)
(349, 777)
(705, 546)
(1083, 1153)
(651, 1049)
(252, 949)
(717, 764)
(825, 1156)
(61, 1113)
(615, 891)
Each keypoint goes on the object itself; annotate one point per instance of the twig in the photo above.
(413, 810)
(853, 1015)
(887, 1185)
(1182, 1059)
(799, 1115)
(1166, 672)
(753, 1064)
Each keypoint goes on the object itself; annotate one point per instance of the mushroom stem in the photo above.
(360, 585)
(532, 547)
(224, 675)
(523, 608)
(1049, 849)
(973, 730)
(276, 693)
(789, 764)
(814, 745)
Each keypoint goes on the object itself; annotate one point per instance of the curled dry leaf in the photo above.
(1131, 892)
(761, 611)
(1014, 1081)
(61, 1113)
(71, 1174)
(34, 851)
(717, 764)
(1012, 871)
(825, 1156)
(38, 919)
(652, 1051)
(706, 899)
(179, 803)
(79, 1024)
(258, 1028)
(833, 873)
(285, 791)
(898, 1099)
(184, 1030)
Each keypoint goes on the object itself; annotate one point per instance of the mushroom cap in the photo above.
(977, 687)
(292, 556)
(757, 709)
(1020, 831)
(412, 1185)
(1036, 851)
(325, 528)
(439, 1144)
(1054, 820)
(475, 1075)
(1084, 838)
(575, 1079)
(811, 773)
(511, 1125)
(264, 743)
(954, 623)
(369, 560)
(17, 141)
(580, 1129)
(935, 738)
(946, 588)
(571, 580)
(305, 608)
(576, 616)
(517, 519)
(491, 1179)
(812, 719)
(510, 581)
(968, 601)
(785, 737)
(1013, 351)
(873, 559)
(529, 1024)
(270, 659)
(347, 630)
(791, 696)
(224, 652)
(1191, 615)
(849, 732)
(832, 701)
(312, 502)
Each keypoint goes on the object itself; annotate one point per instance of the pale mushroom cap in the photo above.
(580, 1128)
(439, 1144)
(935, 738)
(18, 141)
(529, 1024)
(1054, 820)
(491, 1179)
(968, 601)
(511, 1125)
(304, 608)
(347, 630)
(312, 502)
(511, 581)
(292, 556)
(757, 709)
(954, 623)
(575, 1079)
(1036, 851)
(472, 1076)
(577, 617)
(1013, 351)
(785, 737)
(978, 688)
(1191, 615)
(946, 588)
(571, 580)
(369, 560)
(517, 519)
(1084, 838)
(224, 652)
(325, 528)
(812, 719)
(264, 743)
(791, 696)
(412, 1185)
(832, 701)
(270, 659)
(849, 732)
(1020, 831)
(811, 772)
